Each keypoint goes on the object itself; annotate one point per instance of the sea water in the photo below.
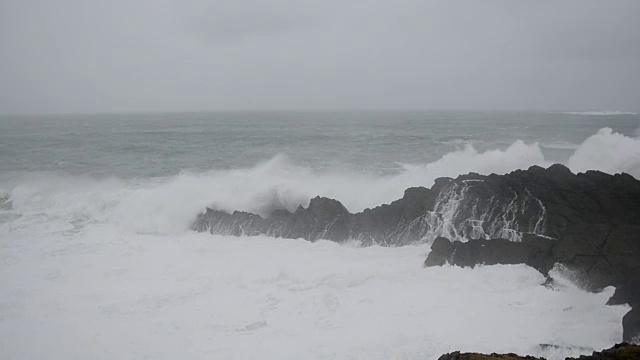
(97, 260)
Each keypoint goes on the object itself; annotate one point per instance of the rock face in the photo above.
(476, 356)
(535, 201)
(599, 255)
(631, 325)
(532, 250)
(589, 222)
(401, 222)
(603, 254)
(622, 351)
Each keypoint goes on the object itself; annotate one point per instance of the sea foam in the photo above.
(107, 268)
(109, 294)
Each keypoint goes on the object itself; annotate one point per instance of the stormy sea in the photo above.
(99, 258)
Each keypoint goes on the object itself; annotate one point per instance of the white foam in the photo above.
(105, 268)
(599, 113)
(108, 294)
(609, 152)
(168, 205)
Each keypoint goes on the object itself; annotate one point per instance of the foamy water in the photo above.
(103, 267)
(105, 294)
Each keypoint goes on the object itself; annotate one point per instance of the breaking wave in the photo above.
(110, 261)
(168, 205)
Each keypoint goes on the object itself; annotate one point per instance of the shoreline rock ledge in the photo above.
(544, 202)
(623, 351)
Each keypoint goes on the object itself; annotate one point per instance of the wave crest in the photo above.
(169, 205)
(599, 113)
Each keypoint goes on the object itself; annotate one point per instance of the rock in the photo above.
(598, 255)
(588, 222)
(629, 292)
(631, 326)
(441, 252)
(544, 202)
(475, 356)
(398, 223)
(623, 351)
(533, 251)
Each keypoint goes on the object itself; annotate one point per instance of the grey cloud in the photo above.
(228, 25)
(82, 55)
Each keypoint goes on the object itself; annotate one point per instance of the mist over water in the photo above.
(95, 247)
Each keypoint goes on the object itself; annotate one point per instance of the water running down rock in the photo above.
(587, 222)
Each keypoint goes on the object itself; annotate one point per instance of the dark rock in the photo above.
(629, 292)
(532, 250)
(545, 202)
(623, 351)
(398, 223)
(441, 252)
(476, 356)
(597, 255)
(631, 326)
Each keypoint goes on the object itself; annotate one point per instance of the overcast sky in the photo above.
(174, 55)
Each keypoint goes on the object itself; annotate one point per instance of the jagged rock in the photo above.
(598, 255)
(328, 219)
(623, 351)
(532, 250)
(476, 356)
(539, 201)
(442, 251)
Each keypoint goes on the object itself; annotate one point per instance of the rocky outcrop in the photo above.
(476, 356)
(598, 255)
(532, 250)
(623, 351)
(399, 223)
(588, 222)
(602, 254)
(544, 202)
(631, 325)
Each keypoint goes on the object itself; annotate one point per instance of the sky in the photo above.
(61, 56)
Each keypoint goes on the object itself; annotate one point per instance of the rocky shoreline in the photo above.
(588, 223)
(544, 202)
(623, 351)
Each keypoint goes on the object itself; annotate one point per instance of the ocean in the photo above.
(97, 259)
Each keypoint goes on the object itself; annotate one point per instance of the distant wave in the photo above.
(599, 113)
(564, 145)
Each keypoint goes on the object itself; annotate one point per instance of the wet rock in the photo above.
(532, 250)
(476, 356)
(631, 326)
(442, 251)
(398, 223)
(597, 255)
(623, 351)
(545, 202)
(588, 222)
